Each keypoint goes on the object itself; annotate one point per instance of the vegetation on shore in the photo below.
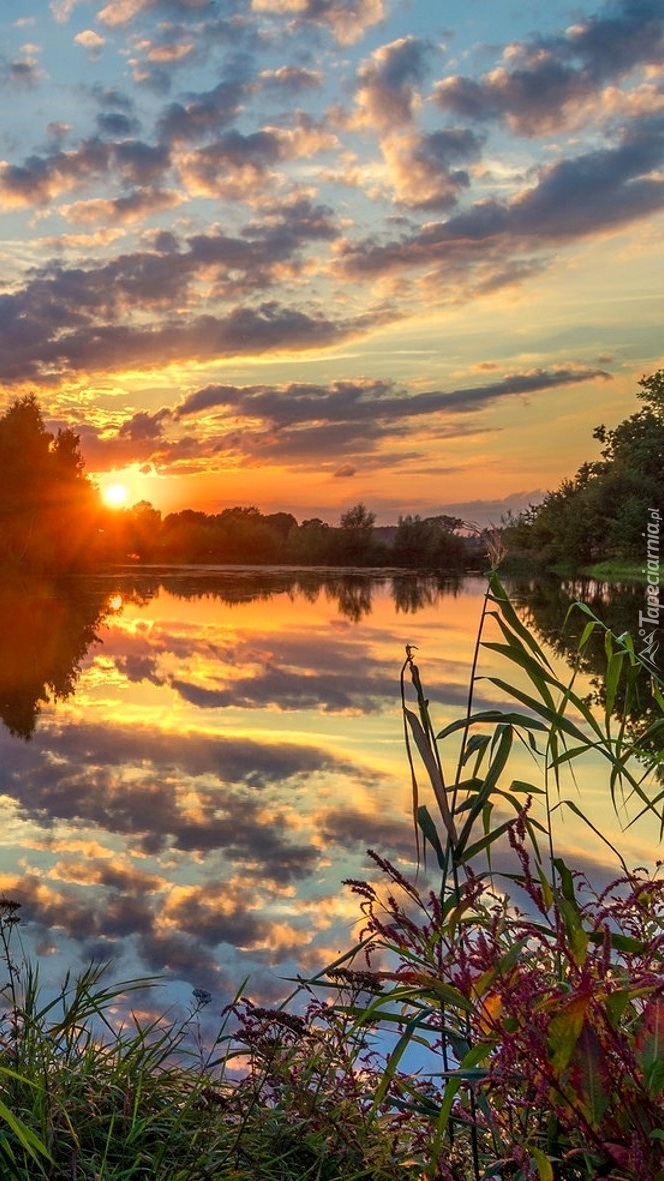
(507, 1023)
(602, 513)
(620, 571)
(52, 521)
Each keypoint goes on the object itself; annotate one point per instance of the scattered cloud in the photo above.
(548, 83)
(91, 41)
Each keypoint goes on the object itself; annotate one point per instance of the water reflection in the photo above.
(351, 592)
(47, 629)
(211, 754)
(547, 605)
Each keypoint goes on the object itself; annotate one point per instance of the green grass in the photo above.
(531, 1006)
(619, 571)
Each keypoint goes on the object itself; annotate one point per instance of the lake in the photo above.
(194, 760)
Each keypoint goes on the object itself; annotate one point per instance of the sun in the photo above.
(114, 495)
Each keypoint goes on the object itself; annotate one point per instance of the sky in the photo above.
(304, 253)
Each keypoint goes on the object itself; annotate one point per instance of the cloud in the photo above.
(289, 80)
(307, 424)
(62, 9)
(201, 114)
(550, 82)
(422, 168)
(91, 41)
(41, 179)
(68, 319)
(348, 20)
(21, 73)
(122, 12)
(387, 82)
(303, 424)
(133, 207)
(77, 783)
(580, 197)
(365, 401)
(143, 425)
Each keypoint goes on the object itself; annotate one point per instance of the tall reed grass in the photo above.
(506, 1023)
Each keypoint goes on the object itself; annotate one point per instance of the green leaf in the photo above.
(493, 717)
(611, 680)
(430, 833)
(577, 936)
(544, 1167)
(504, 746)
(552, 716)
(476, 742)
(616, 1004)
(589, 1075)
(500, 597)
(433, 770)
(649, 1045)
(564, 1032)
(620, 942)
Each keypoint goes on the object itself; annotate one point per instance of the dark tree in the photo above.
(430, 543)
(356, 535)
(602, 512)
(47, 504)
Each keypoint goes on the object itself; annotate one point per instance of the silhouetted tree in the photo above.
(48, 507)
(355, 540)
(310, 543)
(428, 543)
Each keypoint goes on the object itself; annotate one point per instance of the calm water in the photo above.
(192, 762)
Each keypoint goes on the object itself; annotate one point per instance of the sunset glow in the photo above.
(300, 256)
(115, 495)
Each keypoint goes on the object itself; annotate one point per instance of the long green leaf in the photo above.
(649, 1045)
(433, 771)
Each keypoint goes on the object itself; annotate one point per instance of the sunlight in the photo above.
(114, 495)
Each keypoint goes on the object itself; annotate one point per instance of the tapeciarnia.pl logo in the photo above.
(649, 620)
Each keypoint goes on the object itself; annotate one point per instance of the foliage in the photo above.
(245, 535)
(429, 543)
(52, 521)
(545, 1004)
(601, 512)
(47, 505)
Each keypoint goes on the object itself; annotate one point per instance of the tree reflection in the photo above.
(352, 593)
(47, 628)
(546, 607)
(412, 593)
(353, 596)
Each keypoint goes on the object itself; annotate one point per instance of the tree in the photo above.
(428, 543)
(355, 539)
(358, 519)
(47, 504)
(601, 512)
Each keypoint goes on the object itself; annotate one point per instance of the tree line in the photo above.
(245, 535)
(602, 512)
(52, 520)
